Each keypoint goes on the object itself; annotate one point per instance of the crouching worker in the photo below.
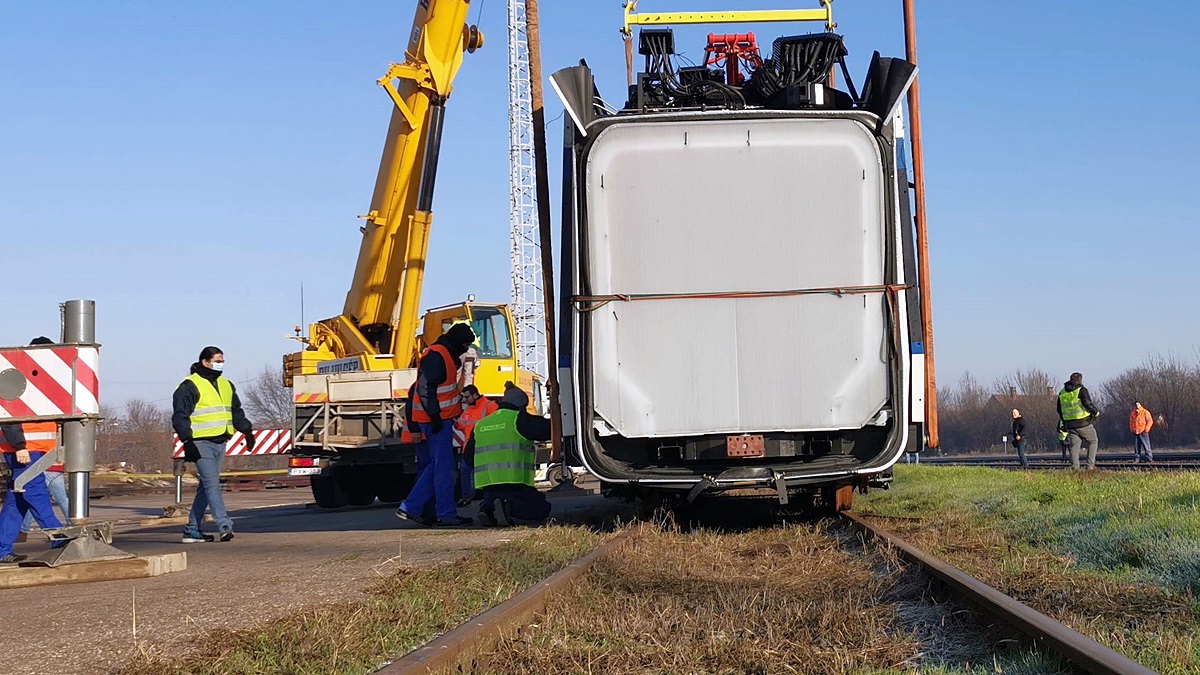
(504, 461)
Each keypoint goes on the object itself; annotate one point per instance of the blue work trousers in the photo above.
(1141, 447)
(435, 483)
(208, 493)
(57, 485)
(35, 499)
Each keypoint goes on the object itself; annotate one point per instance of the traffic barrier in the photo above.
(266, 442)
(52, 381)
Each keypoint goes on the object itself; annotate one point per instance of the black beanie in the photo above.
(460, 334)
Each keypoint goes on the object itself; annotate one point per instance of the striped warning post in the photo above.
(266, 442)
(49, 381)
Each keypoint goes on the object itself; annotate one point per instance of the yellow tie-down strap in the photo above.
(632, 18)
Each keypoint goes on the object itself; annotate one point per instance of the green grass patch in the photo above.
(399, 613)
(1114, 555)
(1133, 526)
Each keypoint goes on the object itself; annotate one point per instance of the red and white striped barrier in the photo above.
(266, 442)
(49, 381)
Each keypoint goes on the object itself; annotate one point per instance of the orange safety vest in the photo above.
(39, 437)
(470, 416)
(410, 437)
(448, 395)
(1140, 422)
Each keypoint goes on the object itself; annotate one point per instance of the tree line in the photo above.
(974, 417)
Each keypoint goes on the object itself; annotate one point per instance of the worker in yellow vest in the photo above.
(504, 461)
(206, 414)
(1078, 414)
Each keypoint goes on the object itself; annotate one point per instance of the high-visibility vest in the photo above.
(39, 437)
(1072, 408)
(213, 416)
(502, 455)
(448, 395)
(471, 415)
(1140, 421)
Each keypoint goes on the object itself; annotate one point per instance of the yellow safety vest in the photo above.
(213, 416)
(1072, 407)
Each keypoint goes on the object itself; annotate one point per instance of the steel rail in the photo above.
(1081, 650)
(462, 646)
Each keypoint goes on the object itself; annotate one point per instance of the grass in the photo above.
(789, 599)
(399, 613)
(1115, 555)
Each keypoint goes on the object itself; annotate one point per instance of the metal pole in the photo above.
(79, 436)
(533, 42)
(178, 466)
(914, 118)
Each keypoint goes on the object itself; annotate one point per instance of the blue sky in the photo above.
(190, 165)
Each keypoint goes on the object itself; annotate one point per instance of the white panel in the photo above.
(748, 205)
(917, 398)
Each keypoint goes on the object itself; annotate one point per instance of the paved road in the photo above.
(285, 556)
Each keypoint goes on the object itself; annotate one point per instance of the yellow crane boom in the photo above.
(381, 313)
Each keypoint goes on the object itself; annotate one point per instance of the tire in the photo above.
(392, 485)
(327, 492)
(358, 484)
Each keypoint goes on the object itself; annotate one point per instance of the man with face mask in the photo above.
(206, 414)
(438, 402)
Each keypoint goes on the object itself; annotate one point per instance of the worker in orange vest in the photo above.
(22, 445)
(1140, 423)
(437, 403)
(475, 408)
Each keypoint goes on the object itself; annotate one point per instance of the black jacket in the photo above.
(1018, 428)
(530, 426)
(1085, 399)
(431, 372)
(184, 404)
(14, 435)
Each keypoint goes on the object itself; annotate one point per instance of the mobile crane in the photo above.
(350, 382)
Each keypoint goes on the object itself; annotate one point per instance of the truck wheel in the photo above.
(392, 485)
(357, 483)
(327, 492)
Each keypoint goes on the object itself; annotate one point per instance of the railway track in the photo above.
(471, 647)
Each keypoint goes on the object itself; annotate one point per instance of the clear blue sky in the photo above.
(189, 165)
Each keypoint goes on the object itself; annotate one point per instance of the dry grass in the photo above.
(402, 611)
(788, 599)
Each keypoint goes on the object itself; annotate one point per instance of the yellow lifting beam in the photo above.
(632, 18)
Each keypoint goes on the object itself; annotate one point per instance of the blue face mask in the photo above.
(218, 366)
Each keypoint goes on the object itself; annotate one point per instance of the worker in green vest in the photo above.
(206, 414)
(1078, 414)
(1064, 442)
(504, 461)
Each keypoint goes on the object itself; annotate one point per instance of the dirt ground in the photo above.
(285, 557)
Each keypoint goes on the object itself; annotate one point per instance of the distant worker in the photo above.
(1140, 423)
(435, 407)
(1078, 414)
(504, 461)
(22, 445)
(1064, 442)
(206, 414)
(1018, 436)
(475, 408)
(55, 484)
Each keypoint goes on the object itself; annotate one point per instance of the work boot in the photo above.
(506, 509)
(487, 518)
(191, 536)
(12, 559)
(419, 520)
(226, 535)
(456, 521)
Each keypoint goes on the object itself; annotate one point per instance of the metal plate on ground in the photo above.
(744, 446)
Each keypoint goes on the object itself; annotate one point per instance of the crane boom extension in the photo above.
(382, 307)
